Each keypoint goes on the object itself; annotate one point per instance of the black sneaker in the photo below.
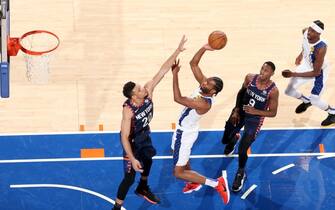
(239, 180)
(146, 193)
(329, 120)
(302, 107)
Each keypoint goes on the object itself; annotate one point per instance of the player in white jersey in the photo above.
(187, 129)
(312, 67)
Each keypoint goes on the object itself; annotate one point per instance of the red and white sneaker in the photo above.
(191, 187)
(223, 189)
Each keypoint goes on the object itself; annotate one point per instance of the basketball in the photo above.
(217, 40)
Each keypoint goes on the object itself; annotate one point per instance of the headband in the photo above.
(316, 28)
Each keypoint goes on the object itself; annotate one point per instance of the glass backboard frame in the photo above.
(5, 59)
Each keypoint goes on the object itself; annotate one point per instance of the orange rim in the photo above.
(31, 52)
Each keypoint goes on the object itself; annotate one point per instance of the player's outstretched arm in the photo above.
(199, 105)
(197, 72)
(150, 85)
(316, 71)
(127, 114)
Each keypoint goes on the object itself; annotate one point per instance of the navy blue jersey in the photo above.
(141, 118)
(309, 51)
(257, 98)
(313, 49)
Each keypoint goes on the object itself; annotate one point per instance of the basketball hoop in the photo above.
(37, 47)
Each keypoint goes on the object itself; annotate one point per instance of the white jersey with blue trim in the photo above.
(189, 118)
(309, 52)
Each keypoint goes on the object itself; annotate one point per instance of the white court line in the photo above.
(283, 168)
(325, 156)
(248, 191)
(155, 131)
(161, 157)
(65, 187)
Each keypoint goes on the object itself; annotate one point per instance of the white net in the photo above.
(37, 57)
(37, 68)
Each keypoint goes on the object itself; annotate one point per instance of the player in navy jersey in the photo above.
(257, 99)
(135, 133)
(313, 66)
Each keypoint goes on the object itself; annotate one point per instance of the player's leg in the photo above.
(179, 153)
(182, 143)
(315, 98)
(231, 135)
(292, 89)
(318, 102)
(127, 181)
(330, 120)
(240, 176)
(144, 155)
(182, 150)
(221, 184)
(143, 188)
(190, 186)
(248, 137)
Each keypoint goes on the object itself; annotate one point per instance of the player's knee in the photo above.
(225, 139)
(289, 91)
(178, 172)
(129, 180)
(243, 152)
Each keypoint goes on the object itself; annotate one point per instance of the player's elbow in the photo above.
(193, 64)
(180, 100)
(317, 73)
(273, 114)
(176, 99)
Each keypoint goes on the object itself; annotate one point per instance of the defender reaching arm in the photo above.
(150, 85)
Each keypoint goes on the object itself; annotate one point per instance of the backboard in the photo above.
(5, 61)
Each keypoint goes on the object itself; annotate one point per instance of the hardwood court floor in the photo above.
(106, 43)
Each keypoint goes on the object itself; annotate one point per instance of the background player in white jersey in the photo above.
(187, 128)
(312, 67)
(135, 133)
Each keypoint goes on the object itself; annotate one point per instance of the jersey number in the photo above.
(252, 102)
(146, 120)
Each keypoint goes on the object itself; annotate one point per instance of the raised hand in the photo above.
(207, 47)
(175, 67)
(181, 47)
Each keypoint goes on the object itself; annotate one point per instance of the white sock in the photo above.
(330, 110)
(211, 183)
(304, 99)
